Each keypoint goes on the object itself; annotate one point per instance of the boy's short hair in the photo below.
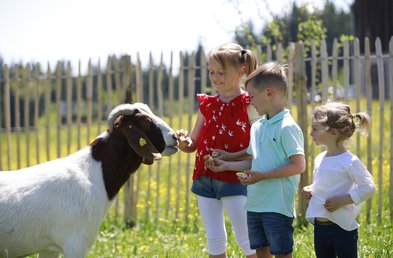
(269, 74)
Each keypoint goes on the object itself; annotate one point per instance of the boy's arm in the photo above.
(219, 165)
(232, 156)
(297, 165)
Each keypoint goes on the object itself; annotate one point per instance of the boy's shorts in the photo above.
(212, 188)
(270, 229)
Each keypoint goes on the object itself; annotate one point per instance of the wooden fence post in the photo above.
(47, 110)
(69, 106)
(391, 126)
(203, 69)
(138, 79)
(2, 112)
(99, 97)
(7, 115)
(269, 53)
(291, 53)
(130, 210)
(152, 107)
(26, 78)
(180, 123)
(89, 100)
(367, 72)
(116, 75)
(58, 109)
(126, 96)
(191, 93)
(79, 105)
(346, 69)
(301, 96)
(381, 89)
(170, 115)
(108, 76)
(334, 68)
(325, 71)
(37, 112)
(160, 113)
(357, 81)
(17, 114)
(313, 93)
(132, 185)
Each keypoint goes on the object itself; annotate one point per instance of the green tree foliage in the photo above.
(299, 24)
(312, 29)
(244, 35)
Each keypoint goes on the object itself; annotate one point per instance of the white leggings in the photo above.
(212, 213)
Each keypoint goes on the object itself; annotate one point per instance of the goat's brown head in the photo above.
(142, 135)
(135, 135)
(148, 135)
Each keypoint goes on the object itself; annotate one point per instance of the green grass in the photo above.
(171, 240)
(168, 222)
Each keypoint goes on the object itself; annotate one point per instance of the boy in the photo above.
(272, 163)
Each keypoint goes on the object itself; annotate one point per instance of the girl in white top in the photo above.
(341, 182)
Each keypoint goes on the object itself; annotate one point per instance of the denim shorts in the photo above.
(212, 188)
(270, 229)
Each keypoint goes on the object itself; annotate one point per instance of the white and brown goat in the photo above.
(58, 206)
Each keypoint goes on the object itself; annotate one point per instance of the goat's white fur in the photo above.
(56, 207)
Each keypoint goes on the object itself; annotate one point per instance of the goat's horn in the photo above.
(122, 109)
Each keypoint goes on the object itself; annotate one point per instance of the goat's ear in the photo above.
(141, 144)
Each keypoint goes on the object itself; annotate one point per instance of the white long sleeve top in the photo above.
(336, 176)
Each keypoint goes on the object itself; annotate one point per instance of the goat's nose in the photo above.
(174, 136)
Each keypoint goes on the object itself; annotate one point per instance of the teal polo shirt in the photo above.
(272, 142)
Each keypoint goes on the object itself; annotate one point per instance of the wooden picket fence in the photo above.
(69, 108)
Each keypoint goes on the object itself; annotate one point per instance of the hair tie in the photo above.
(242, 53)
(356, 121)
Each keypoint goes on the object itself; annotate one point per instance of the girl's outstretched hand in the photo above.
(183, 139)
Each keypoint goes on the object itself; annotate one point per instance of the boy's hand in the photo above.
(251, 178)
(307, 192)
(241, 175)
(215, 164)
(220, 154)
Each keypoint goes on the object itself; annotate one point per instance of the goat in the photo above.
(58, 206)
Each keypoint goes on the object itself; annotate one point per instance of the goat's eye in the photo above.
(145, 123)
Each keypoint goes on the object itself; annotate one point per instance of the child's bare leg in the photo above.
(264, 252)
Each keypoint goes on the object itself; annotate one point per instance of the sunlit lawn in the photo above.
(375, 240)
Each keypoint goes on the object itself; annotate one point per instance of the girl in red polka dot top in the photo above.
(223, 122)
